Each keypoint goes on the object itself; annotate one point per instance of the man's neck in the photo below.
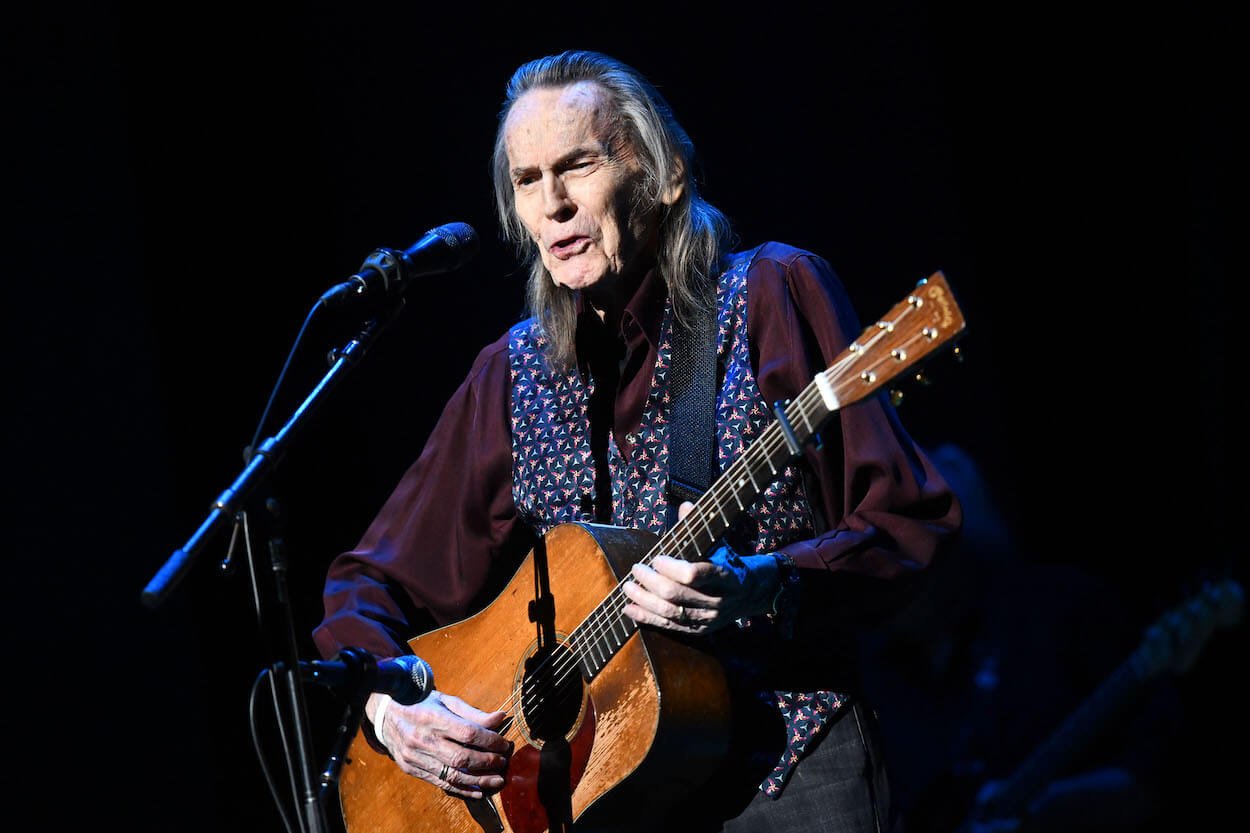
(609, 302)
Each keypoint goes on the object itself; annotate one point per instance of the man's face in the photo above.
(575, 188)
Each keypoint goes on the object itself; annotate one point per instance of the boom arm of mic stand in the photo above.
(262, 463)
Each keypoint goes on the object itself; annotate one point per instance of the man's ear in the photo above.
(676, 184)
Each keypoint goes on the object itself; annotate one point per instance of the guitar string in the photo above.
(592, 630)
(607, 613)
(869, 337)
(604, 618)
(772, 440)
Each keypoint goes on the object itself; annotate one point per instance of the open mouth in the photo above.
(568, 247)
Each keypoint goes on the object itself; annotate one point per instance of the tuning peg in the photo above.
(896, 397)
(921, 378)
(957, 353)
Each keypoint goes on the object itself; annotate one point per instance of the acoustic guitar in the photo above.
(598, 708)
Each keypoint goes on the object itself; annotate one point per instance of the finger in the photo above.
(656, 593)
(643, 605)
(450, 765)
(669, 597)
(654, 609)
(685, 509)
(697, 585)
(643, 616)
(646, 608)
(475, 727)
(675, 594)
(461, 708)
(429, 734)
(458, 782)
(674, 571)
(467, 759)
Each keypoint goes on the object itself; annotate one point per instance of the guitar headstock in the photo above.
(926, 320)
(1175, 640)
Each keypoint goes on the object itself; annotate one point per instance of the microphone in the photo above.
(408, 679)
(389, 272)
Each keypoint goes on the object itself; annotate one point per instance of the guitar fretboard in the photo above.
(923, 321)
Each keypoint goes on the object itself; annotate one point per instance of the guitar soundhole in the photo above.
(551, 695)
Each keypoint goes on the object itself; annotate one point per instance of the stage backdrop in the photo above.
(183, 183)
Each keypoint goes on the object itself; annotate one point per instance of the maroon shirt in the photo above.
(449, 537)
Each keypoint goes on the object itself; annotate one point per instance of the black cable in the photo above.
(260, 754)
(273, 394)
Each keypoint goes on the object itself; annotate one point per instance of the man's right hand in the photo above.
(445, 741)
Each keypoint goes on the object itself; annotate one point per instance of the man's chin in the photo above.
(577, 280)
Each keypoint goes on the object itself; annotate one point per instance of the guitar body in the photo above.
(626, 720)
(647, 728)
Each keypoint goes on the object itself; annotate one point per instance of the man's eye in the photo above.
(528, 179)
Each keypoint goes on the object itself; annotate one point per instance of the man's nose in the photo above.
(556, 202)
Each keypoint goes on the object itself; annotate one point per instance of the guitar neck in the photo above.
(923, 321)
(1171, 644)
(605, 631)
(913, 329)
(743, 481)
(1073, 736)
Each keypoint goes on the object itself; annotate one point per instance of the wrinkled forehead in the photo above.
(572, 113)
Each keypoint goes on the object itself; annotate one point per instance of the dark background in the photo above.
(183, 182)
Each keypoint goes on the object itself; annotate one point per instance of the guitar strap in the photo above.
(692, 385)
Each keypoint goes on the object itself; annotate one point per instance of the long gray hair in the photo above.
(694, 235)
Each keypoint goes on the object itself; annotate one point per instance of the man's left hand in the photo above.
(702, 596)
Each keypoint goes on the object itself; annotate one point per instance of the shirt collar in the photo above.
(644, 311)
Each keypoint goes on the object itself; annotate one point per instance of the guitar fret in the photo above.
(807, 420)
(931, 312)
(689, 548)
(585, 643)
(599, 649)
(588, 670)
(711, 536)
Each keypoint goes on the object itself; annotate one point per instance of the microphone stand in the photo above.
(358, 687)
(262, 462)
(293, 707)
(228, 508)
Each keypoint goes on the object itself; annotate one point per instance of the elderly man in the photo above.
(568, 420)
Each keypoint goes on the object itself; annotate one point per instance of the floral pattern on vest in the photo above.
(554, 470)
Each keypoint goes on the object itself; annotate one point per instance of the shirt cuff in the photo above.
(786, 602)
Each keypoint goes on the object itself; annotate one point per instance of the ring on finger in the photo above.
(442, 775)
(681, 614)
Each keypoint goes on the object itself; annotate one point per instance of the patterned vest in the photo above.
(554, 472)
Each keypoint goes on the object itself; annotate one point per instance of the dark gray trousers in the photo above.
(840, 785)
